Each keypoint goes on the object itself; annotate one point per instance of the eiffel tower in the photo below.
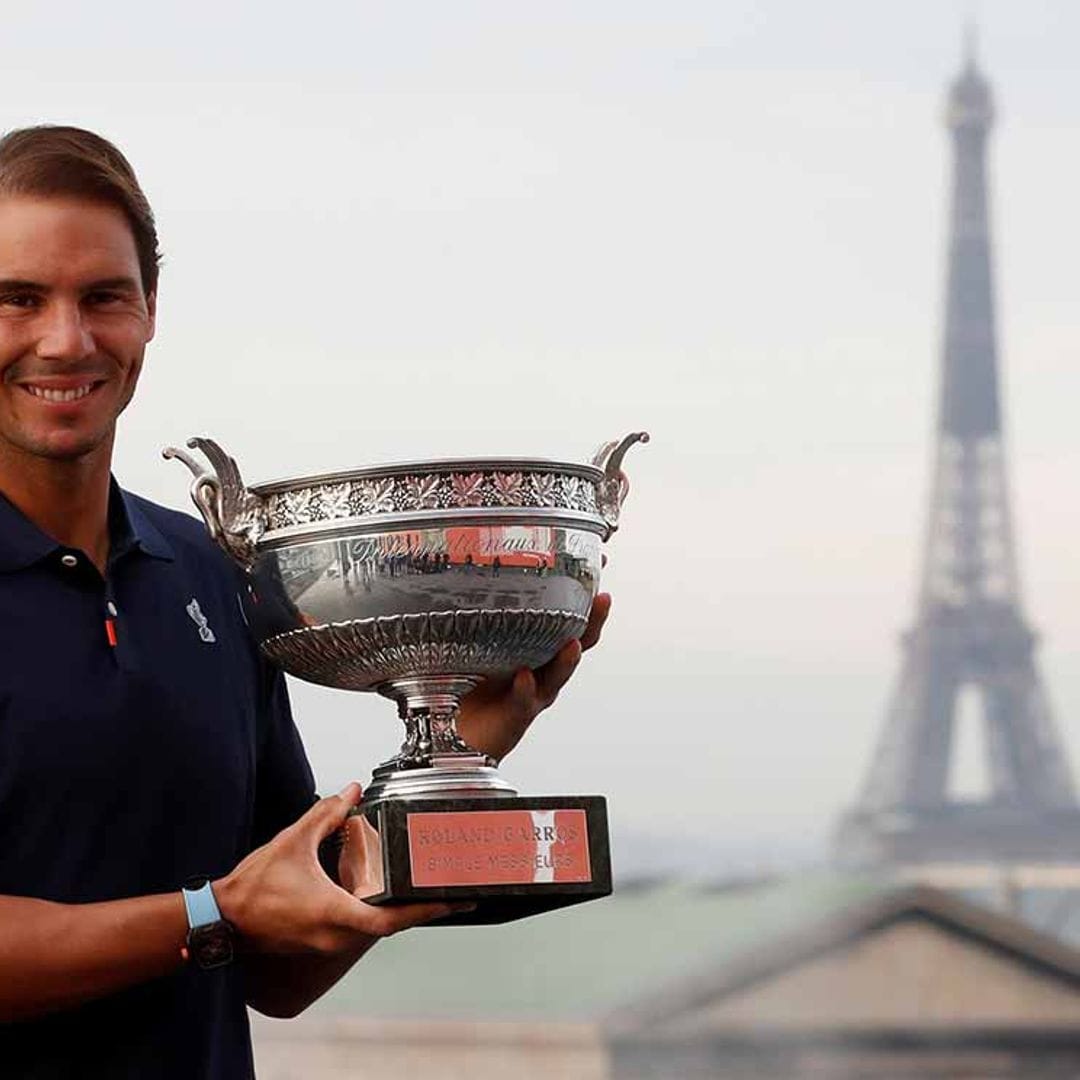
(970, 639)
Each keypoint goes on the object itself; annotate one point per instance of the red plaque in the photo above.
(498, 847)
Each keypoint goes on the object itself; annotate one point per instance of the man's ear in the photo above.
(151, 309)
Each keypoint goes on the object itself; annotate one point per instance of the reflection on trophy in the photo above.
(418, 581)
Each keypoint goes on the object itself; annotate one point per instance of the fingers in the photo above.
(553, 676)
(328, 814)
(360, 862)
(601, 608)
(363, 835)
(384, 921)
(536, 690)
(523, 695)
(495, 716)
(350, 795)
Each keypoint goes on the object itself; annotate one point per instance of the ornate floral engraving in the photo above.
(423, 491)
(468, 489)
(431, 491)
(335, 500)
(297, 505)
(377, 496)
(508, 488)
(544, 488)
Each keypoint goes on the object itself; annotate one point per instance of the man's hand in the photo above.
(360, 862)
(281, 901)
(498, 712)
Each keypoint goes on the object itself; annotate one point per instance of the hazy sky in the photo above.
(415, 229)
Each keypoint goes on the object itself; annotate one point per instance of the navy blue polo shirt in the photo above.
(143, 741)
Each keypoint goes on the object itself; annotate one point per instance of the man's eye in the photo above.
(19, 300)
(102, 297)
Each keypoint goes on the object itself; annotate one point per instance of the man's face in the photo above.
(74, 324)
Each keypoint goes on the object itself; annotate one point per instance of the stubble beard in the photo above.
(56, 447)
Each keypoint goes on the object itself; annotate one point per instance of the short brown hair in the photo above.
(68, 161)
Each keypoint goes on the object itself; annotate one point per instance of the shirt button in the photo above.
(69, 561)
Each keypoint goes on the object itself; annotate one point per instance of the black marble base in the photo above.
(512, 857)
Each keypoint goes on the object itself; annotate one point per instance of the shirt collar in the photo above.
(141, 532)
(22, 543)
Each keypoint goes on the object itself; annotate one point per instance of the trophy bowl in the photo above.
(417, 581)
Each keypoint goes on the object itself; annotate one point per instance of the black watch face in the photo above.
(211, 945)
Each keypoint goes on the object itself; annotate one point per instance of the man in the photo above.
(140, 746)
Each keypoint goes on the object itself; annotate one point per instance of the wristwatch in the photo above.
(210, 937)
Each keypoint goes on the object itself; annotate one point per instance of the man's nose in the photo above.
(65, 334)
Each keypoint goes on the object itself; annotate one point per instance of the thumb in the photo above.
(329, 814)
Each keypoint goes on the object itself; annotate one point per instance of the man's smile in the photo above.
(61, 395)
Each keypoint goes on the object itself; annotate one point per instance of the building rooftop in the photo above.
(583, 962)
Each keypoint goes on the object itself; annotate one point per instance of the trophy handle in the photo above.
(611, 492)
(235, 517)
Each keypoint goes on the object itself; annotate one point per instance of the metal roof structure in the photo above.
(583, 962)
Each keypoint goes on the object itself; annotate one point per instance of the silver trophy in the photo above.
(418, 581)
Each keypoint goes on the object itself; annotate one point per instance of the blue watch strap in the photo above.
(202, 909)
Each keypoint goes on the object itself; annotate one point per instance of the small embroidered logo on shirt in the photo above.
(201, 622)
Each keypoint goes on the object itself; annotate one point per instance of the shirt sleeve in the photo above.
(284, 783)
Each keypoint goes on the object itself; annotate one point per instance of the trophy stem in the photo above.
(429, 707)
(434, 761)
(430, 734)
